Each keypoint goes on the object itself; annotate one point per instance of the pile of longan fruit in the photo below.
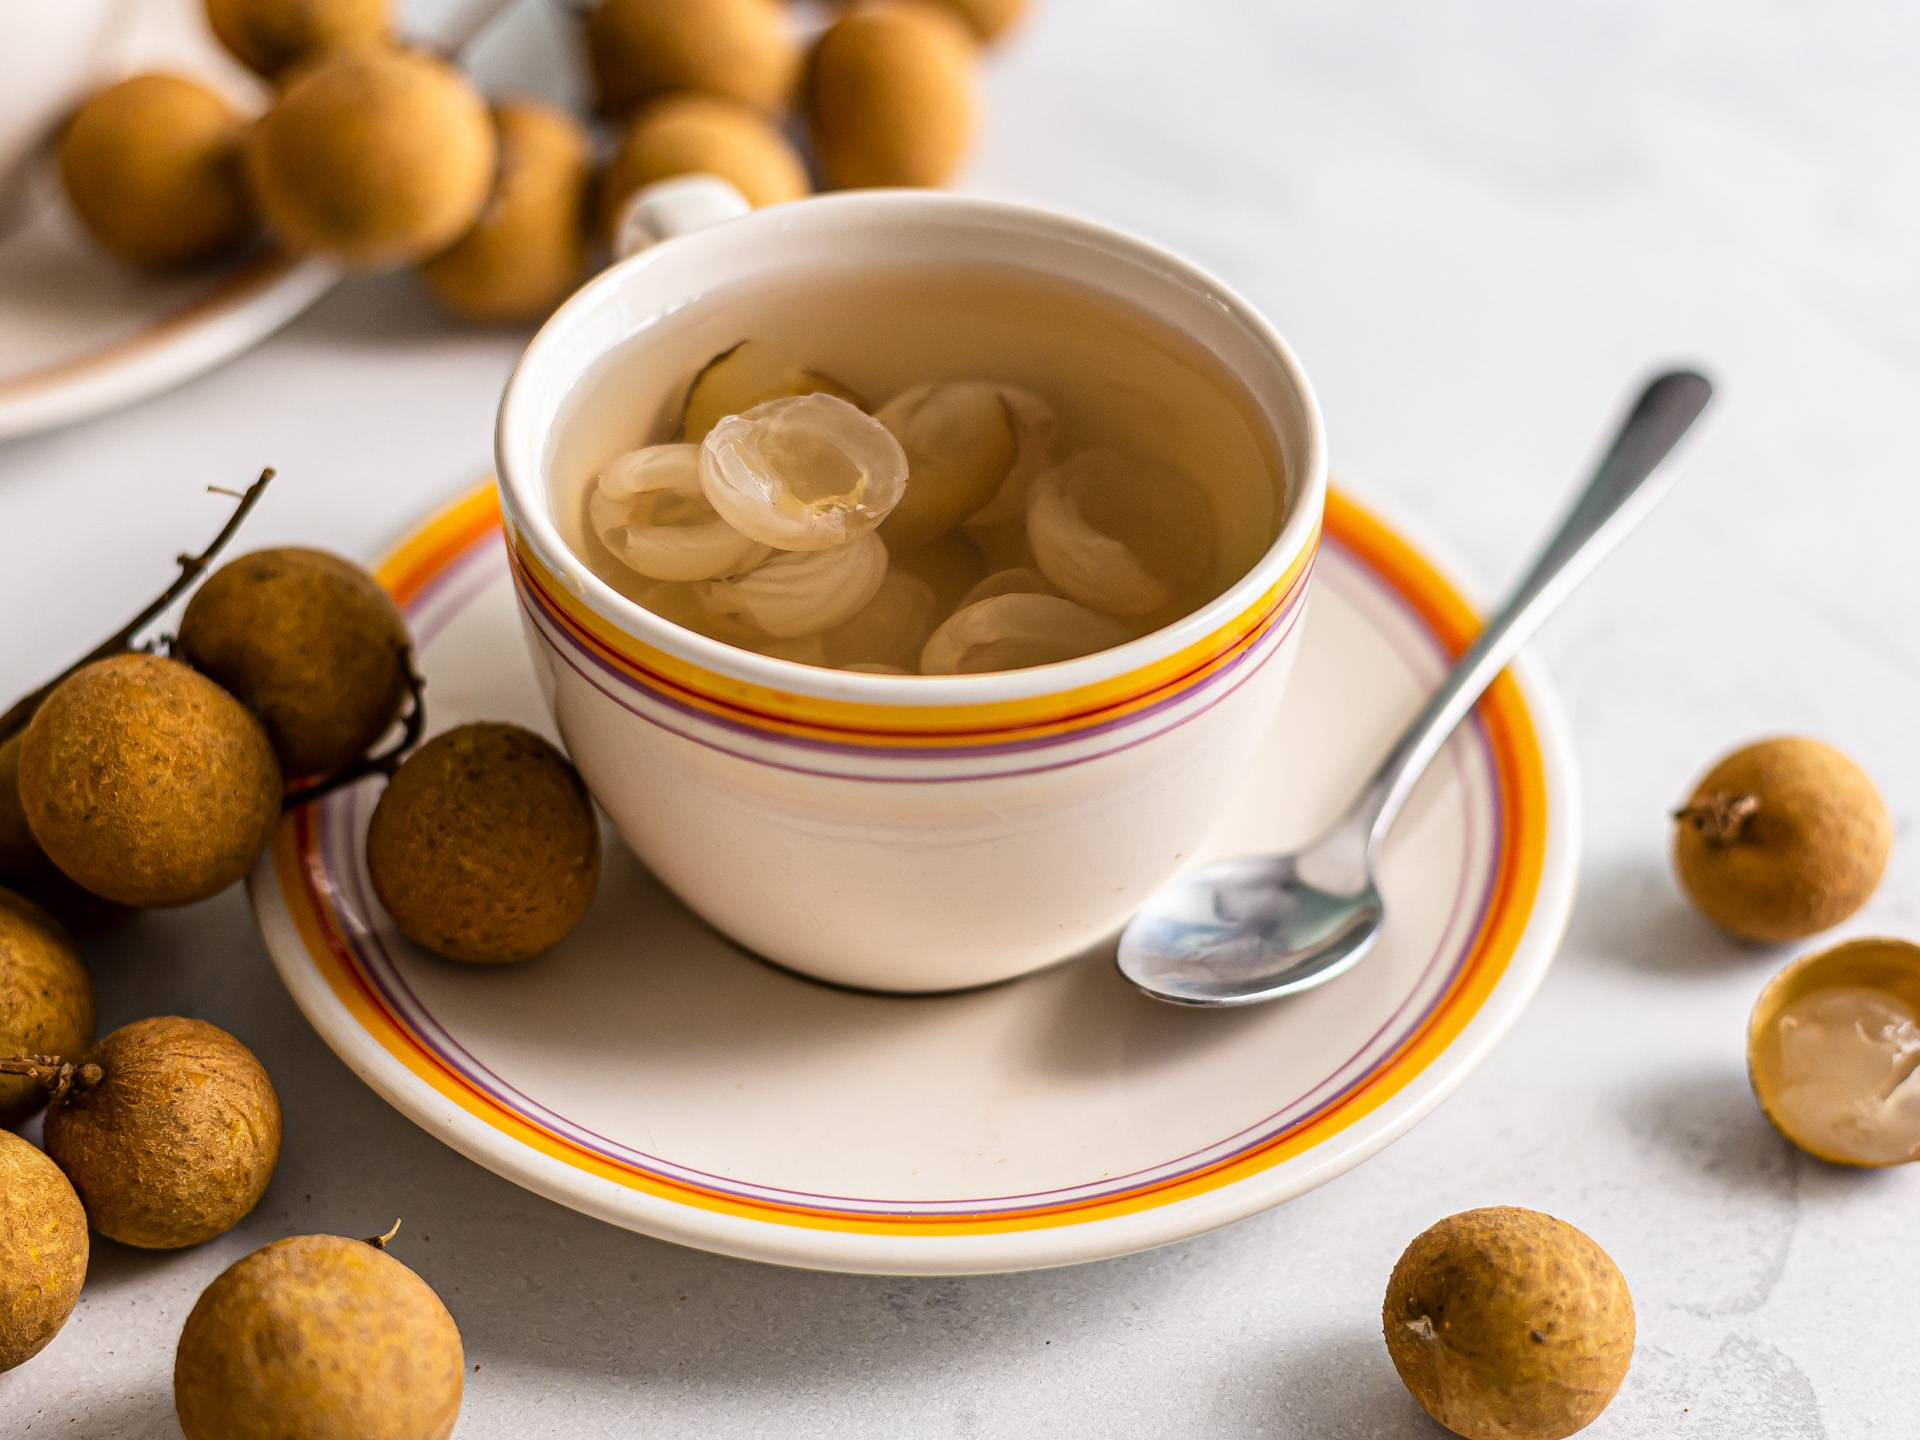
(379, 155)
(153, 774)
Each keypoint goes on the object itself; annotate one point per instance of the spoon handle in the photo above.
(1616, 499)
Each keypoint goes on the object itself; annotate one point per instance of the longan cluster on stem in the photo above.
(378, 154)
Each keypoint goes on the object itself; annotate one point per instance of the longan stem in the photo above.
(414, 725)
(191, 569)
(1719, 818)
(57, 1075)
(380, 1242)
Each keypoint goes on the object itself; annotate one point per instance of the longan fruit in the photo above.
(523, 255)
(373, 157)
(267, 36)
(46, 999)
(702, 135)
(151, 166)
(889, 96)
(738, 49)
(43, 1250)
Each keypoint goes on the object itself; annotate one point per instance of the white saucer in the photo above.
(649, 1073)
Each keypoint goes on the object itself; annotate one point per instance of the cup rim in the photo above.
(528, 509)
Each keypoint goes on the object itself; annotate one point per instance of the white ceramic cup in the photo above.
(903, 833)
(50, 51)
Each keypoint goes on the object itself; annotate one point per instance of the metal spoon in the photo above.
(1238, 932)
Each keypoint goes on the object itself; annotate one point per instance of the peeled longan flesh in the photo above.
(374, 157)
(329, 1331)
(46, 999)
(967, 442)
(749, 374)
(890, 629)
(889, 96)
(176, 1140)
(799, 593)
(1507, 1324)
(738, 49)
(806, 472)
(151, 166)
(702, 135)
(147, 783)
(1012, 632)
(648, 509)
(43, 1250)
(524, 253)
(269, 35)
(1122, 534)
(1780, 840)
(307, 641)
(484, 847)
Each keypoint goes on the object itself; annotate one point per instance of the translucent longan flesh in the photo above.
(1846, 1079)
(1121, 534)
(648, 509)
(798, 592)
(751, 373)
(890, 629)
(1013, 632)
(1020, 580)
(803, 473)
(964, 439)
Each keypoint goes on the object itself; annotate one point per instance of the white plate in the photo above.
(649, 1073)
(84, 334)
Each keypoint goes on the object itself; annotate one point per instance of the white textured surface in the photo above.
(1477, 222)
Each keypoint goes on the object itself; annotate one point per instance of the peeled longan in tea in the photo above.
(1507, 1324)
(308, 642)
(174, 1139)
(701, 135)
(1780, 840)
(966, 442)
(888, 630)
(374, 157)
(318, 1337)
(46, 999)
(43, 1250)
(1122, 534)
(1833, 1052)
(889, 95)
(147, 783)
(738, 49)
(151, 166)
(269, 35)
(524, 253)
(798, 593)
(648, 509)
(809, 472)
(484, 847)
(1015, 631)
(749, 374)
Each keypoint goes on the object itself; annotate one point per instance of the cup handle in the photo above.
(674, 207)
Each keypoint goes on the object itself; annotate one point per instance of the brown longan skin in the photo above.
(1809, 854)
(46, 999)
(176, 1141)
(374, 157)
(329, 1330)
(25, 868)
(525, 253)
(147, 783)
(43, 1250)
(702, 135)
(267, 36)
(484, 847)
(889, 95)
(307, 641)
(737, 49)
(1507, 1324)
(151, 167)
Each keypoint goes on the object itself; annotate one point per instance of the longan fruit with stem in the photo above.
(46, 999)
(151, 166)
(169, 1130)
